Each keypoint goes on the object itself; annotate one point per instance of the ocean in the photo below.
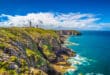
(93, 53)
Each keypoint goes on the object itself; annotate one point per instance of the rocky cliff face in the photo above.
(32, 51)
(68, 32)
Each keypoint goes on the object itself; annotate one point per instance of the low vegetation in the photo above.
(29, 50)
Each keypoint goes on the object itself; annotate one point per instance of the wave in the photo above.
(71, 73)
(68, 43)
(79, 60)
(76, 62)
(94, 73)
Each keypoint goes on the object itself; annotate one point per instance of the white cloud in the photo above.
(53, 21)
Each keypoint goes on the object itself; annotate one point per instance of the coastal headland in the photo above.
(34, 51)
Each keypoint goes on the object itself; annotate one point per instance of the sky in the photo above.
(56, 14)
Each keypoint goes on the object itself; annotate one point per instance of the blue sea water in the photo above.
(93, 53)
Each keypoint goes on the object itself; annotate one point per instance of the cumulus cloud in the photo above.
(52, 20)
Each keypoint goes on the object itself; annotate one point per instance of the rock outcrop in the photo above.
(68, 32)
(33, 51)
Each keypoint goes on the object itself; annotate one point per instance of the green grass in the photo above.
(27, 37)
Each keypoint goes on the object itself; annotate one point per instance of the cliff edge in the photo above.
(33, 51)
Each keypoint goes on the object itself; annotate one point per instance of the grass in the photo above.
(49, 53)
(27, 37)
(25, 41)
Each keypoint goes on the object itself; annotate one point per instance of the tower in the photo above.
(30, 24)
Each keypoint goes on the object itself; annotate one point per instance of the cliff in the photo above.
(68, 32)
(33, 51)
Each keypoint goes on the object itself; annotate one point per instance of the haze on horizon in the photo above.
(56, 14)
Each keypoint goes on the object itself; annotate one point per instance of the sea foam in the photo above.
(94, 73)
(76, 62)
(68, 43)
(79, 60)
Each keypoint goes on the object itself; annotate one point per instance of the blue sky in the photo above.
(100, 8)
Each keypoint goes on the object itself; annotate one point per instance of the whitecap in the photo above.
(71, 70)
(68, 43)
(79, 60)
(94, 73)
